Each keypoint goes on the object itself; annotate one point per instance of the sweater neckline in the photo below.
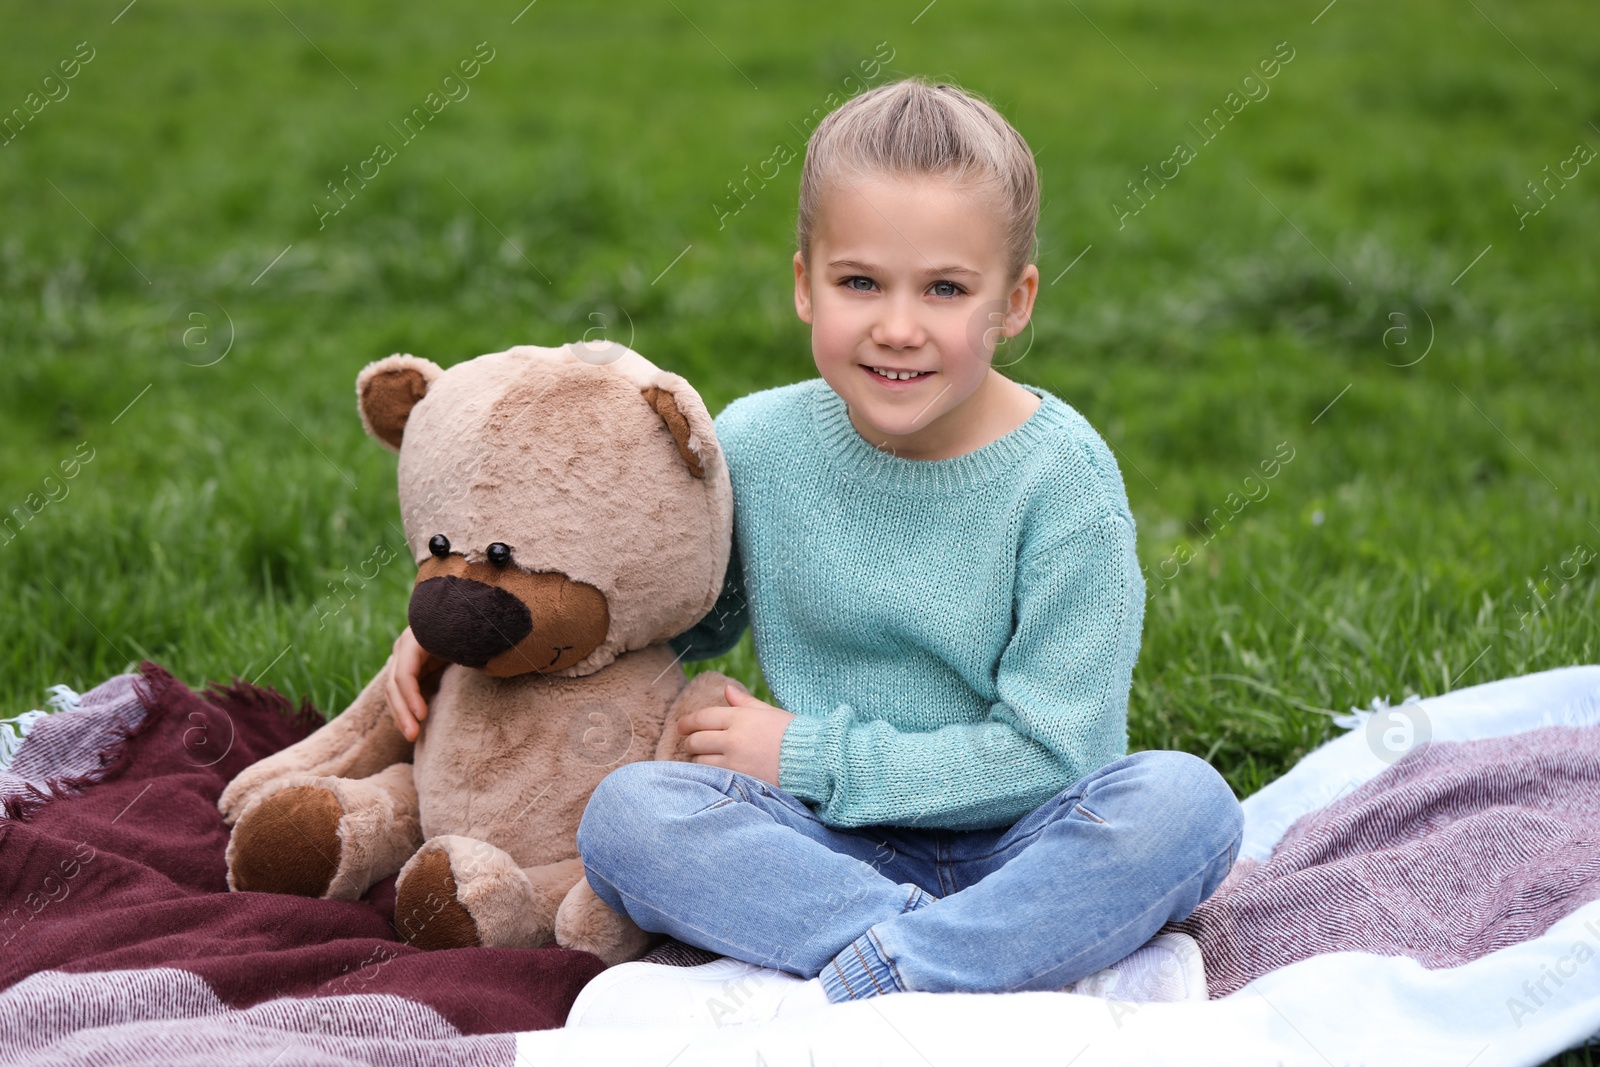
(857, 458)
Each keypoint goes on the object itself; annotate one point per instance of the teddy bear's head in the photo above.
(563, 505)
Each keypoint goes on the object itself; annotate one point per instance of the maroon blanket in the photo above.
(112, 861)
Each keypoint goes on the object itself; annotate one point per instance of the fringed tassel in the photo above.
(13, 730)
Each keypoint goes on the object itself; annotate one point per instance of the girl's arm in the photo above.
(1063, 684)
(724, 624)
(413, 666)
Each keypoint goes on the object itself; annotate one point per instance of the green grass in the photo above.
(1395, 554)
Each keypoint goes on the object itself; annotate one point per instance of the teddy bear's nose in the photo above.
(466, 622)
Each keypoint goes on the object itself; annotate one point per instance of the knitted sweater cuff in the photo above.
(800, 772)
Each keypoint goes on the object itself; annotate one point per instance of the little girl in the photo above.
(938, 566)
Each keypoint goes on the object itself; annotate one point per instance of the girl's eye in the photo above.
(946, 289)
(851, 283)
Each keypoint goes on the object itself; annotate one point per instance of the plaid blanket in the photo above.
(122, 944)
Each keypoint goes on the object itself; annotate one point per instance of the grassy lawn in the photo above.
(1337, 274)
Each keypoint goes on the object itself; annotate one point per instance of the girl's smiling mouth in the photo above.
(896, 377)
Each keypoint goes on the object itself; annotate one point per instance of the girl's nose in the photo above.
(898, 325)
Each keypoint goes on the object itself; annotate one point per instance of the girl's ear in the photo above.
(387, 390)
(1019, 303)
(802, 289)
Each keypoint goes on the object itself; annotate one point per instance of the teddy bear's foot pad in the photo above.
(288, 843)
(426, 909)
(459, 891)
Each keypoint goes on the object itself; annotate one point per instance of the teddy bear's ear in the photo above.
(690, 444)
(387, 390)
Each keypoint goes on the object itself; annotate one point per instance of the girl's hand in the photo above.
(743, 735)
(411, 664)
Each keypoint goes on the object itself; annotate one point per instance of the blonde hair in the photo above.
(912, 128)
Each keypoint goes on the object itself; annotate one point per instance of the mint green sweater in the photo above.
(956, 637)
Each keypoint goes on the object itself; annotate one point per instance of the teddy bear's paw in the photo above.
(359, 742)
(459, 892)
(427, 911)
(324, 836)
(586, 922)
(243, 791)
(287, 842)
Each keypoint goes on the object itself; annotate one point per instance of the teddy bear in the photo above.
(569, 511)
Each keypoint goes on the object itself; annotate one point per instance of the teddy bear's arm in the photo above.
(360, 741)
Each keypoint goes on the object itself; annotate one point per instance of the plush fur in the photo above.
(598, 481)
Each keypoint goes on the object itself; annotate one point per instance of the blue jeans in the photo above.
(735, 865)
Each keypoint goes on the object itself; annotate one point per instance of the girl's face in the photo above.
(910, 275)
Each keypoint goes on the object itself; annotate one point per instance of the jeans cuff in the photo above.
(862, 970)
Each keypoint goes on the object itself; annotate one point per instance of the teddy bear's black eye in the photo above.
(499, 554)
(439, 545)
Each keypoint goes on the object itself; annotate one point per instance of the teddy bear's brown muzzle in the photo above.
(466, 621)
(503, 620)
